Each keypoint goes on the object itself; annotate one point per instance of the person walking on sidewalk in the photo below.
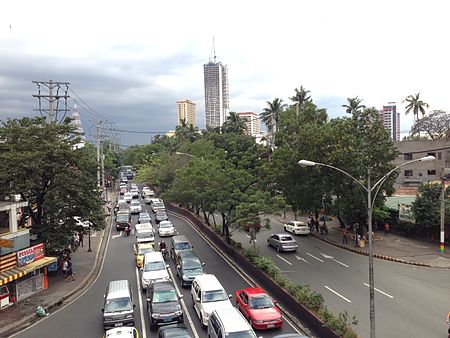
(65, 266)
(80, 237)
(386, 228)
(70, 274)
(345, 236)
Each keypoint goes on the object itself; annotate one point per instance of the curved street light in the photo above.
(370, 203)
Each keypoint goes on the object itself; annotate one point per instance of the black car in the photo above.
(122, 220)
(163, 304)
(188, 267)
(161, 216)
(174, 331)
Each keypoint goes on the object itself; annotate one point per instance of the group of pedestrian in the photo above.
(67, 268)
(313, 223)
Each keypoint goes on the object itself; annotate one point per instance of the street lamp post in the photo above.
(370, 203)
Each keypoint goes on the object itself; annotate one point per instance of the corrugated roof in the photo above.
(393, 201)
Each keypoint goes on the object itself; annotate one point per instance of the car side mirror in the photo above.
(103, 310)
(197, 299)
(180, 296)
(230, 296)
(275, 302)
(134, 305)
(203, 264)
(142, 269)
(148, 299)
(178, 266)
(167, 266)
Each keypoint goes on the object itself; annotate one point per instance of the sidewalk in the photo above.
(59, 292)
(392, 247)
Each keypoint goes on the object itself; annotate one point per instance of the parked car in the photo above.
(144, 217)
(163, 304)
(282, 242)
(135, 207)
(166, 228)
(188, 266)
(174, 331)
(161, 215)
(297, 228)
(258, 308)
(140, 249)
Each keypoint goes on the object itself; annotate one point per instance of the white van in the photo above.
(208, 295)
(144, 233)
(153, 269)
(229, 322)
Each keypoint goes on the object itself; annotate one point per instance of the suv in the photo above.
(229, 322)
(153, 269)
(122, 220)
(179, 243)
(118, 308)
(188, 266)
(163, 305)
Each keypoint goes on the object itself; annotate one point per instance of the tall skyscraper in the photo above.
(251, 122)
(216, 93)
(187, 111)
(391, 120)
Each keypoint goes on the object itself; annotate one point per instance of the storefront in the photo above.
(27, 276)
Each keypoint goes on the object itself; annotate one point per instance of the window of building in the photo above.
(408, 157)
(408, 173)
(431, 154)
(432, 172)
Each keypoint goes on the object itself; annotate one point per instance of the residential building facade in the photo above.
(251, 122)
(391, 120)
(187, 111)
(216, 93)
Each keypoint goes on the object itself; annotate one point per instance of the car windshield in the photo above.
(262, 302)
(193, 271)
(118, 304)
(182, 246)
(145, 234)
(143, 251)
(286, 238)
(161, 214)
(241, 334)
(165, 296)
(175, 333)
(165, 225)
(158, 205)
(122, 218)
(144, 215)
(191, 264)
(154, 266)
(214, 296)
(135, 203)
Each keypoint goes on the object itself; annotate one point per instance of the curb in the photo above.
(31, 319)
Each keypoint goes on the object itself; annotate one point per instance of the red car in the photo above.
(259, 308)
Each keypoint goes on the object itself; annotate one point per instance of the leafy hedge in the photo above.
(314, 301)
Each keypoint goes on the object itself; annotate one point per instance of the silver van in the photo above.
(229, 322)
(118, 308)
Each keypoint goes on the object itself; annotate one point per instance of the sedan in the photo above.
(144, 217)
(282, 242)
(166, 228)
(135, 207)
(174, 331)
(148, 199)
(297, 228)
(161, 216)
(163, 304)
(259, 309)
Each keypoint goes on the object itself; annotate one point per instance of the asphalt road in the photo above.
(83, 317)
(409, 301)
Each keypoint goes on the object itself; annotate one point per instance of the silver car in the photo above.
(282, 242)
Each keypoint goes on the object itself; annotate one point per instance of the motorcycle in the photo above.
(127, 230)
(164, 252)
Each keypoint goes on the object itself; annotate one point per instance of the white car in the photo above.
(135, 207)
(148, 199)
(135, 192)
(166, 228)
(297, 228)
(128, 196)
(153, 269)
(122, 332)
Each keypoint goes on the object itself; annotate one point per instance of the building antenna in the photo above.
(213, 52)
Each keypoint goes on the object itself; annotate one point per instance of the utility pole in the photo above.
(56, 91)
(442, 234)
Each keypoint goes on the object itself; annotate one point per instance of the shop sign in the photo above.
(30, 254)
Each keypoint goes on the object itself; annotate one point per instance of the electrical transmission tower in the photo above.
(54, 92)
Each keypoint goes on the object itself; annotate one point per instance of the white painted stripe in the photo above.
(340, 263)
(338, 294)
(382, 292)
(183, 304)
(314, 257)
(284, 259)
(119, 235)
(301, 259)
(141, 306)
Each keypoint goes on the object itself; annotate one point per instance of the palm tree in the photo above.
(415, 104)
(354, 105)
(234, 124)
(271, 115)
(301, 96)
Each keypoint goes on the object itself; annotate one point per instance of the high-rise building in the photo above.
(391, 120)
(251, 122)
(187, 111)
(76, 123)
(216, 93)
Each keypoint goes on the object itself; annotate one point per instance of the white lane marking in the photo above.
(115, 236)
(246, 278)
(335, 260)
(382, 292)
(338, 294)
(320, 260)
(284, 259)
(141, 306)
(301, 259)
(183, 304)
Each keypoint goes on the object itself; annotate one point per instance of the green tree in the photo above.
(234, 124)
(38, 161)
(185, 132)
(353, 105)
(270, 117)
(301, 96)
(416, 105)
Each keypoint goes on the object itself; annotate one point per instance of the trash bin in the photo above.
(361, 243)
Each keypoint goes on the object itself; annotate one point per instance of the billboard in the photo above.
(29, 255)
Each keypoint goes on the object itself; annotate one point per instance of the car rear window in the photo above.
(286, 238)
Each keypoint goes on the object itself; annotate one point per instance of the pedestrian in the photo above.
(316, 221)
(70, 274)
(65, 266)
(80, 237)
(386, 228)
(344, 236)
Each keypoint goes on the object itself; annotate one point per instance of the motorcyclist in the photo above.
(127, 230)
(162, 246)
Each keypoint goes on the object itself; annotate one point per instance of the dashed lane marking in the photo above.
(301, 259)
(284, 259)
(141, 306)
(337, 294)
(320, 260)
(382, 292)
(115, 236)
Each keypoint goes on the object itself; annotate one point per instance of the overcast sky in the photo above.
(131, 60)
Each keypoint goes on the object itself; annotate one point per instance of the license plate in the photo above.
(269, 326)
(118, 324)
(167, 320)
